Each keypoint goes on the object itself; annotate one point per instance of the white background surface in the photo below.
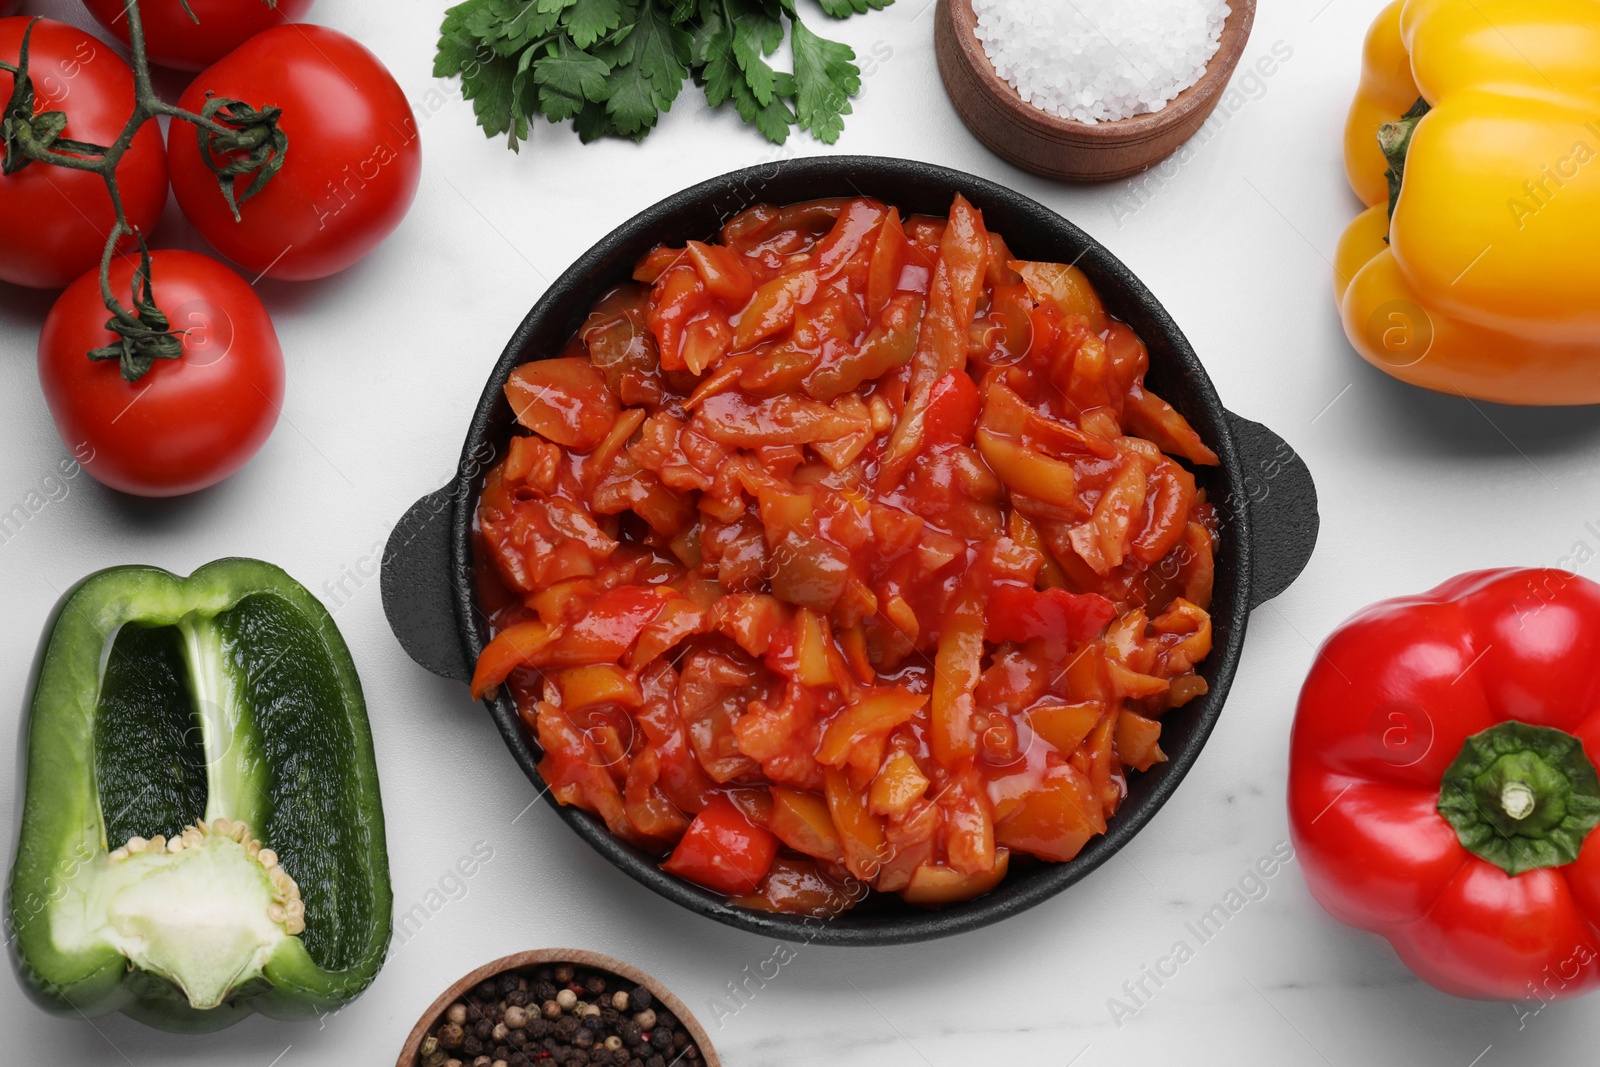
(385, 364)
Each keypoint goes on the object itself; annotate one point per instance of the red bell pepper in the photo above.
(723, 850)
(1018, 613)
(953, 407)
(1442, 785)
(603, 634)
(607, 628)
(513, 647)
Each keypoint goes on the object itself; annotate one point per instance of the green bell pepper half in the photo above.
(202, 834)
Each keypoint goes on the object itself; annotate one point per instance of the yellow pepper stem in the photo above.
(1395, 140)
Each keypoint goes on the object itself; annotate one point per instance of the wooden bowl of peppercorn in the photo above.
(517, 1010)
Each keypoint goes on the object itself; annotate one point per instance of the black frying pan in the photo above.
(1264, 494)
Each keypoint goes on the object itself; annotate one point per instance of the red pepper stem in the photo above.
(1517, 799)
(1521, 797)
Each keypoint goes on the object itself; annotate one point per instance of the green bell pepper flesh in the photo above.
(229, 700)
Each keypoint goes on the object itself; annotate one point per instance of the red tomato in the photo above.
(352, 167)
(55, 221)
(173, 39)
(723, 850)
(187, 423)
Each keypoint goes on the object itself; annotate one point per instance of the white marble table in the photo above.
(1236, 242)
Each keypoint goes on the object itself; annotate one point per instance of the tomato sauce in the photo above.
(846, 553)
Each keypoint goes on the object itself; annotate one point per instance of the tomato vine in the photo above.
(236, 140)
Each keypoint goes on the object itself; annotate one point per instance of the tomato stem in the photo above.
(143, 336)
(248, 142)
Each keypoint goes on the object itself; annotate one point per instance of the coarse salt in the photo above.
(1100, 60)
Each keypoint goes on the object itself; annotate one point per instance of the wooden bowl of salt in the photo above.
(1043, 143)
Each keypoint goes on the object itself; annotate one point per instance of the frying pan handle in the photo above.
(1283, 508)
(417, 596)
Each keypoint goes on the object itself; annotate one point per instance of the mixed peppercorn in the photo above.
(558, 1014)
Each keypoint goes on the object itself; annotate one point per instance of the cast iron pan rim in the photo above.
(578, 283)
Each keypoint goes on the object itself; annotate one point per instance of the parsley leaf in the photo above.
(726, 52)
(487, 79)
(593, 123)
(509, 26)
(755, 34)
(590, 20)
(457, 45)
(772, 119)
(711, 56)
(647, 68)
(611, 67)
(568, 79)
(845, 8)
(825, 80)
(681, 11)
(763, 22)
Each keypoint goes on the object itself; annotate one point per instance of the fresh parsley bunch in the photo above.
(613, 66)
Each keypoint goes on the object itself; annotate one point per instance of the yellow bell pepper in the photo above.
(1489, 283)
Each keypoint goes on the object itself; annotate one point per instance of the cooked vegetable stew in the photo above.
(846, 551)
